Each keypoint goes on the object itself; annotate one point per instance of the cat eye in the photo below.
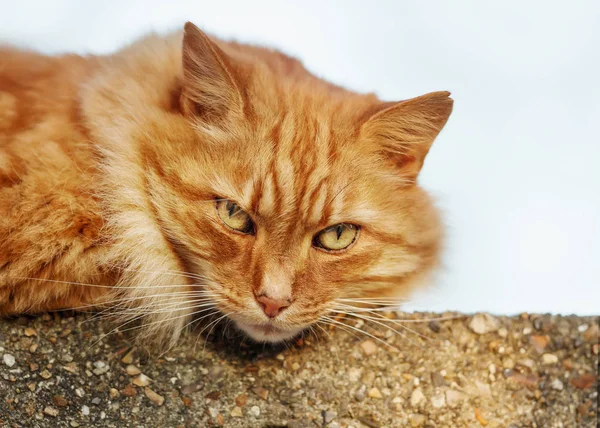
(336, 238)
(234, 217)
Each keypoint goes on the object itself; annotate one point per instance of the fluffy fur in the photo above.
(110, 167)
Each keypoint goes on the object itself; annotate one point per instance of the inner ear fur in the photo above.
(404, 131)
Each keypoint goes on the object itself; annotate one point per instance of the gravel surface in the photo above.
(65, 370)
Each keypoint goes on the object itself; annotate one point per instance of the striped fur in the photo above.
(110, 167)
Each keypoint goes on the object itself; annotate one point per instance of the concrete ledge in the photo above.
(524, 371)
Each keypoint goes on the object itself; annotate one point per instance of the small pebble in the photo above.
(71, 368)
(141, 380)
(129, 390)
(261, 392)
(51, 411)
(98, 371)
(192, 387)
(236, 412)
(60, 401)
(128, 357)
(374, 393)
(30, 332)
(132, 370)
(85, 410)
(438, 401)
(46, 374)
(328, 416)
(453, 398)
(113, 393)
(368, 347)
(549, 359)
(96, 401)
(584, 381)
(295, 366)
(154, 397)
(557, 385)
(508, 364)
(437, 380)
(9, 360)
(416, 397)
(582, 328)
(255, 411)
(416, 420)
(539, 343)
(484, 323)
(526, 362)
(241, 400)
(359, 394)
(434, 326)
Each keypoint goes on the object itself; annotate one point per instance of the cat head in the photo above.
(291, 197)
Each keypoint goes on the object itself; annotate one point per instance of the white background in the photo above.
(516, 171)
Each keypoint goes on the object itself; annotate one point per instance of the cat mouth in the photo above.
(268, 332)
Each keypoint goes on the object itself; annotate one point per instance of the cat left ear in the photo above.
(405, 131)
(211, 87)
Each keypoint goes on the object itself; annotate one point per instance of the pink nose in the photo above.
(272, 307)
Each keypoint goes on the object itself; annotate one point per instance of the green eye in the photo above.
(234, 217)
(337, 237)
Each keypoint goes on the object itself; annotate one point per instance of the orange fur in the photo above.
(110, 166)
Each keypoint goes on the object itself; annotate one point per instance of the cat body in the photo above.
(185, 176)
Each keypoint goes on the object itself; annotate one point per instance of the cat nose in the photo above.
(272, 307)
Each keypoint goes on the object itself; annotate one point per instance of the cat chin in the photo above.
(267, 333)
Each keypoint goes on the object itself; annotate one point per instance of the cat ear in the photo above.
(405, 131)
(211, 88)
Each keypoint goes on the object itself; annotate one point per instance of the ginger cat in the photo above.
(186, 177)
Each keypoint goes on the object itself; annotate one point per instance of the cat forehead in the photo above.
(311, 188)
(301, 168)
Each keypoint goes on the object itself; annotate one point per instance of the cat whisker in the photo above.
(314, 333)
(169, 299)
(173, 295)
(378, 308)
(398, 320)
(159, 307)
(114, 287)
(213, 323)
(377, 321)
(194, 320)
(390, 300)
(145, 325)
(165, 308)
(366, 333)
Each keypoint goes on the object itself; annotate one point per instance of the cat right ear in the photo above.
(211, 87)
(403, 132)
